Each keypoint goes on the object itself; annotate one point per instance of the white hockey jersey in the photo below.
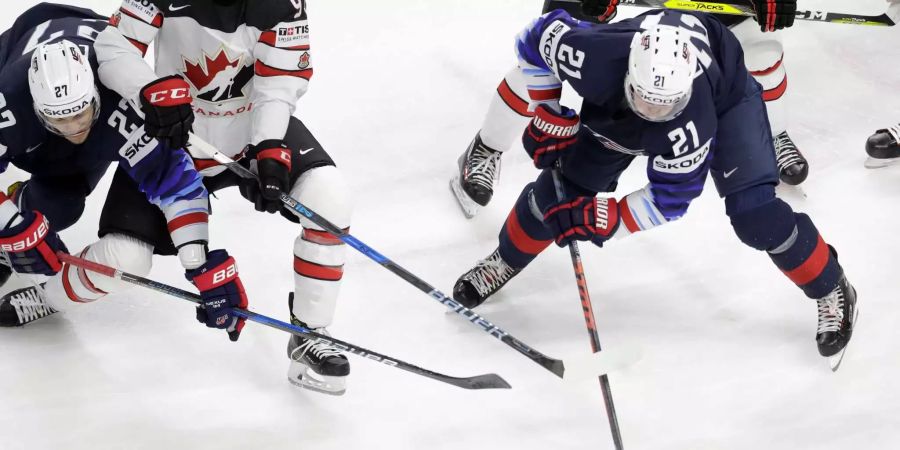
(247, 61)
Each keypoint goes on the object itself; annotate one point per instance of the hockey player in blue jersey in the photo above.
(671, 86)
(65, 130)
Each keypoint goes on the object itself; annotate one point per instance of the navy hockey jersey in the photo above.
(118, 135)
(593, 59)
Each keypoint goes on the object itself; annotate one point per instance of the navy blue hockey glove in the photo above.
(603, 10)
(775, 14)
(583, 219)
(549, 134)
(166, 104)
(273, 165)
(32, 245)
(221, 290)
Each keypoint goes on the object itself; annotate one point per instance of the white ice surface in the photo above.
(728, 358)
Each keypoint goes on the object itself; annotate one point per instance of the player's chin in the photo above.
(79, 138)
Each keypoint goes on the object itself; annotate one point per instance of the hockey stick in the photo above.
(488, 381)
(889, 18)
(589, 321)
(553, 365)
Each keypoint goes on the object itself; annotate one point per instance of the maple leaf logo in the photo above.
(219, 78)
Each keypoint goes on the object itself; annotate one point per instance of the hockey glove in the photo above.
(32, 246)
(774, 14)
(273, 164)
(549, 134)
(603, 10)
(221, 290)
(583, 219)
(166, 103)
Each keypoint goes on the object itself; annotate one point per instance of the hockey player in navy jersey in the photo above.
(64, 129)
(672, 86)
(510, 107)
(244, 65)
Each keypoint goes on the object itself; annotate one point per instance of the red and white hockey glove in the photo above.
(221, 291)
(273, 165)
(603, 10)
(583, 219)
(32, 245)
(549, 134)
(169, 117)
(775, 14)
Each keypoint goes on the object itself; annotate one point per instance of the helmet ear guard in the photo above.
(61, 82)
(662, 65)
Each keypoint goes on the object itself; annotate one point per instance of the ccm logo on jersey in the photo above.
(30, 241)
(292, 34)
(683, 164)
(138, 146)
(141, 8)
(550, 41)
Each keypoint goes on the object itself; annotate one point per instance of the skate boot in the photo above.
(22, 306)
(486, 278)
(479, 168)
(883, 147)
(792, 166)
(837, 316)
(316, 365)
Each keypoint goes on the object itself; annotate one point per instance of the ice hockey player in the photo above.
(510, 107)
(59, 125)
(233, 71)
(672, 86)
(883, 147)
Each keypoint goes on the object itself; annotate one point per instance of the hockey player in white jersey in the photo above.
(510, 109)
(233, 71)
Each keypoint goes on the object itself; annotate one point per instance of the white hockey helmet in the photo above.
(662, 65)
(62, 88)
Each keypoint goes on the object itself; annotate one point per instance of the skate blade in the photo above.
(302, 376)
(835, 360)
(468, 206)
(876, 163)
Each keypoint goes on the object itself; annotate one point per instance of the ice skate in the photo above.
(473, 185)
(486, 278)
(837, 316)
(883, 148)
(317, 366)
(792, 165)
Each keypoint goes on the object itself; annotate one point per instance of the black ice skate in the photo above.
(316, 365)
(837, 316)
(473, 185)
(792, 165)
(883, 147)
(486, 278)
(22, 306)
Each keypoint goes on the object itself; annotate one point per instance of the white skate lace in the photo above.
(484, 166)
(490, 274)
(831, 311)
(320, 350)
(786, 153)
(30, 306)
(894, 131)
